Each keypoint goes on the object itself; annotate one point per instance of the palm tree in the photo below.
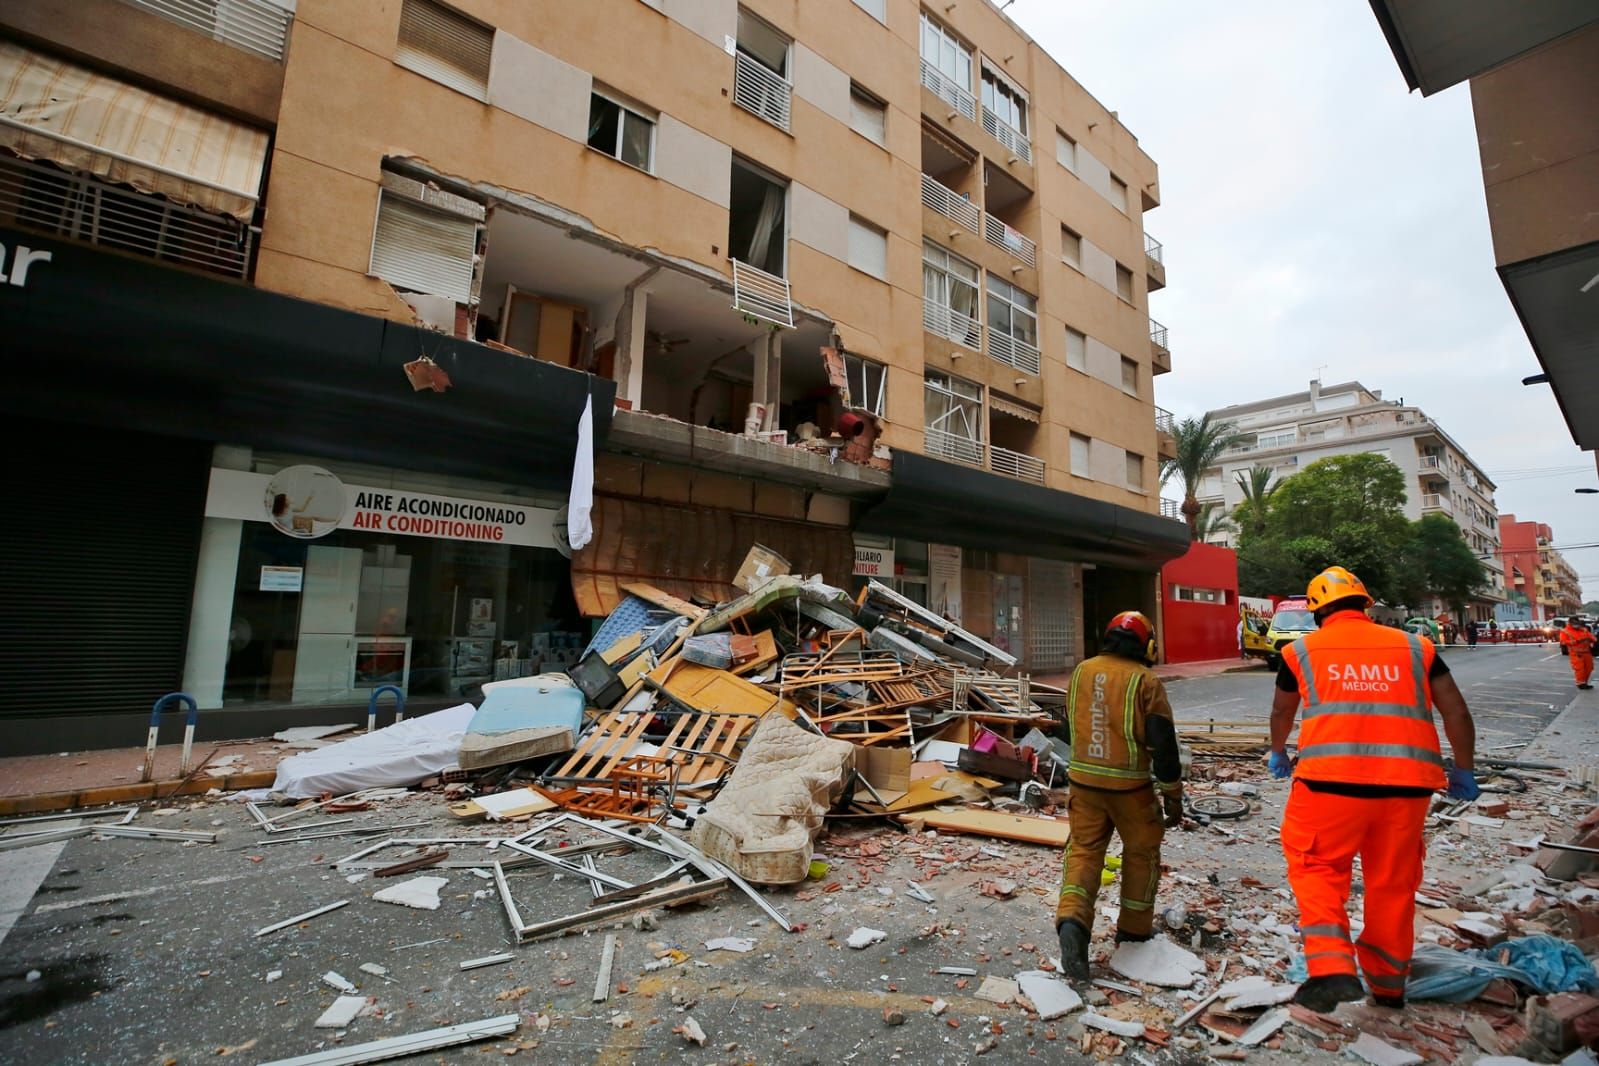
(1200, 443)
(1211, 523)
(1257, 487)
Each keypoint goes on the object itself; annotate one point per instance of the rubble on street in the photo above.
(755, 802)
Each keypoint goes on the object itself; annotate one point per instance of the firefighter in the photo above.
(1368, 763)
(1125, 779)
(1578, 640)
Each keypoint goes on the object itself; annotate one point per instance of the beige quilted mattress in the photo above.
(764, 822)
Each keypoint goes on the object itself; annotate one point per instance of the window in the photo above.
(1124, 283)
(1118, 193)
(1076, 350)
(867, 114)
(954, 418)
(757, 232)
(1190, 594)
(1065, 151)
(875, 8)
(1012, 312)
(949, 295)
(868, 248)
(1135, 471)
(868, 384)
(762, 43)
(420, 249)
(1008, 103)
(1071, 247)
(1129, 376)
(1278, 439)
(944, 53)
(760, 71)
(446, 46)
(620, 132)
(1080, 446)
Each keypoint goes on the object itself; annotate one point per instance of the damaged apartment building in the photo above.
(304, 301)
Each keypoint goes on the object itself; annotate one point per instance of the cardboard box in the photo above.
(760, 564)
(885, 768)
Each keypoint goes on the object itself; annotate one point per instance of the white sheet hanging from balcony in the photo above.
(80, 119)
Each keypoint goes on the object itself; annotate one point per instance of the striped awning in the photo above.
(1003, 405)
(56, 110)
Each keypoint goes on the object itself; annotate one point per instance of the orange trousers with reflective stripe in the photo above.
(1321, 835)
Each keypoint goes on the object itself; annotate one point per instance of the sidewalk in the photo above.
(111, 775)
(1175, 671)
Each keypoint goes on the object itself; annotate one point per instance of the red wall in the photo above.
(1196, 631)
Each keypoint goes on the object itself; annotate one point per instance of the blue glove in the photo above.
(1279, 765)
(1463, 784)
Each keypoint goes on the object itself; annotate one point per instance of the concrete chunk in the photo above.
(342, 1013)
(419, 892)
(1050, 996)
(1157, 962)
(1381, 1053)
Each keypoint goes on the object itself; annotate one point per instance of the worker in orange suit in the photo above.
(1368, 763)
(1578, 640)
(1124, 756)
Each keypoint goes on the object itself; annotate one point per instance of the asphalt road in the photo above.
(1514, 691)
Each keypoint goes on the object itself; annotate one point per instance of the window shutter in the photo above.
(868, 248)
(445, 46)
(424, 251)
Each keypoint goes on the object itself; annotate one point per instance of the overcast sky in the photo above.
(1315, 214)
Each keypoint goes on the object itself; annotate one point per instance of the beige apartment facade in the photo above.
(739, 232)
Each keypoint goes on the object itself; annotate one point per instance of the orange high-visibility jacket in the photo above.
(1367, 716)
(1577, 640)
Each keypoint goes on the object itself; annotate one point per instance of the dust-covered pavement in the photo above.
(145, 951)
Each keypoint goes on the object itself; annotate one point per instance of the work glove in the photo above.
(1463, 784)
(1172, 803)
(1279, 765)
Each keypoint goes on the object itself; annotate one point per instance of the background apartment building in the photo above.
(1287, 433)
(399, 246)
(1541, 584)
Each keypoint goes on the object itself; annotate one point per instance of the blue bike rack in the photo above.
(155, 727)
(372, 706)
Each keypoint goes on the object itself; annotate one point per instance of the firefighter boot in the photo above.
(1073, 952)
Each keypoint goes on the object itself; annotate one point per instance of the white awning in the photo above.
(70, 115)
(1003, 405)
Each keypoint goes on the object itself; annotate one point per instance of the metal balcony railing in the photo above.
(79, 207)
(766, 296)
(255, 26)
(1171, 509)
(1011, 137)
(947, 322)
(945, 88)
(1153, 249)
(1012, 351)
(1000, 235)
(761, 91)
(1015, 464)
(1434, 501)
(942, 444)
(1157, 335)
(1164, 422)
(1432, 462)
(950, 204)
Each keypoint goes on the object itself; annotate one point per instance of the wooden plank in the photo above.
(921, 794)
(105, 795)
(765, 654)
(713, 691)
(651, 594)
(1052, 832)
(622, 648)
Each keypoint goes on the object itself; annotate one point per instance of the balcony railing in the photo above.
(946, 322)
(1171, 509)
(1011, 137)
(945, 88)
(761, 91)
(1012, 351)
(1158, 336)
(1015, 464)
(1153, 249)
(1002, 236)
(957, 449)
(950, 204)
(255, 26)
(1434, 501)
(83, 208)
(1164, 422)
(1433, 462)
(766, 296)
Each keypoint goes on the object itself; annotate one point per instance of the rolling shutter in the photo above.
(101, 549)
(446, 46)
(422, 250)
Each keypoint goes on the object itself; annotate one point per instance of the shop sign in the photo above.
(282, 578)
(307, 502)
(874, 562)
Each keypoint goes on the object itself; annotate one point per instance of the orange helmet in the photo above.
(1136, 625)
(1332, 584)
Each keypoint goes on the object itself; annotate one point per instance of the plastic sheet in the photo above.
(399, 755)
(1542, 963)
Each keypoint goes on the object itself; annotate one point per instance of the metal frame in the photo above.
(127, 814)
(298, 918)
(395, 1047)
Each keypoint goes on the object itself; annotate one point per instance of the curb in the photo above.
(45, 802)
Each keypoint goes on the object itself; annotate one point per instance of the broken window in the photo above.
(422, 246)
(621, 132)
(954, 418)
(868, 384)
(757, 224)
(762, 43)
(440, 43)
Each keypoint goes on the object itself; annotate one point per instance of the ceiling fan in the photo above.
(663, 344)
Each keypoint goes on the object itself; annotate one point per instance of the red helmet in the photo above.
(1136, 625)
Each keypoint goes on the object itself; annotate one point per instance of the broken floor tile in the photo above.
(1381, 1053)
(1157, 962)
(1113, 1025)
(342, 1013)
(997, 990)
(1051, 997)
